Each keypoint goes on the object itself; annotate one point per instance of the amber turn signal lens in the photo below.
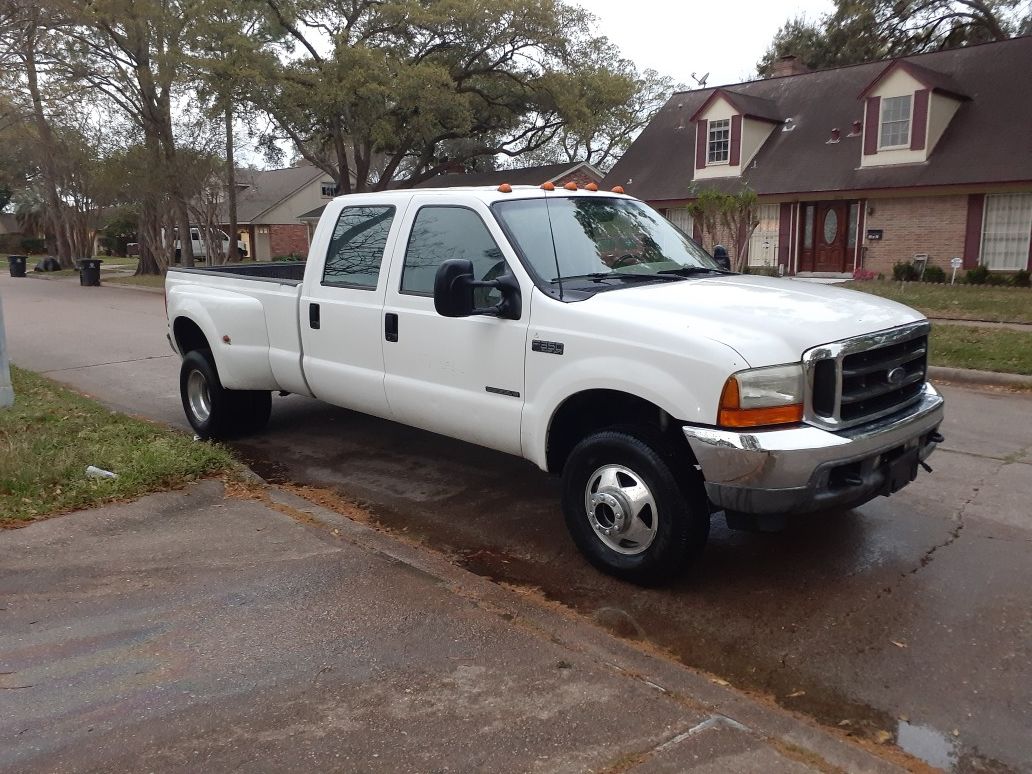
(618, 189)
(505, 188)
(548, 186)
(730, 415)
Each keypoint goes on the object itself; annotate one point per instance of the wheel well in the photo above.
(592, 410)
(188, 335)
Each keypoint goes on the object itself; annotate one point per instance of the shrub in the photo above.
(1022, 279)
(978, 276)
(904, 272)
(33, 246)
(864, 274)
(996, 279)
(290, 257)
(763, 271)
(934, 274)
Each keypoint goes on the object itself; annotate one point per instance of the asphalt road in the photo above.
(910, 615)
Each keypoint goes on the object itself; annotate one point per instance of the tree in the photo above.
(731, 215)
(373, 92)
(867, 30)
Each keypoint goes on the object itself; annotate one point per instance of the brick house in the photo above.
(269, 203)
(580, 173)
(859, 166)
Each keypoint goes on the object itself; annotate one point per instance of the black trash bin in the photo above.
(89, 272)
(17, 263)
(721, 257)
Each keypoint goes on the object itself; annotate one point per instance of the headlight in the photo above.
(762, 396)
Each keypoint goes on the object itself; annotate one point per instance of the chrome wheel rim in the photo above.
(621, 509)
(198, 396)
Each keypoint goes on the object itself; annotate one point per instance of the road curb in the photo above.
(975, 377)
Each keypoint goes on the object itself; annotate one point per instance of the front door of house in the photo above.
(824, 237)
(831, 237)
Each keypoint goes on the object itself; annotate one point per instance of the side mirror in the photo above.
(453, 292)
(722, 258)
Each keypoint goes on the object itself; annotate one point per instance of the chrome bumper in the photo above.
(803, 469)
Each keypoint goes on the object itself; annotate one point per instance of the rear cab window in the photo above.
(355, 254)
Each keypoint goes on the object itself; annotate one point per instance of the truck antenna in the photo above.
(555, 255)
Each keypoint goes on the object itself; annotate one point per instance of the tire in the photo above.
(212, 410)
(625, 481)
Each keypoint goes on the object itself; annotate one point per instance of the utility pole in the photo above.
(6, 390)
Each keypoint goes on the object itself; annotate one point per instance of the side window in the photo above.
(440, 233)
(356, 247)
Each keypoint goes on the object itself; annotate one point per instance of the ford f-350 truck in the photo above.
(579, 330)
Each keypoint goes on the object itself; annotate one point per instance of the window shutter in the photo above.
(919, 120)
(785, 234)
(871, 126)
(701, 138)
(736, 141)
(973, 231)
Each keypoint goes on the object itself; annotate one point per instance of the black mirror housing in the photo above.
(453, 288)
(453, 292)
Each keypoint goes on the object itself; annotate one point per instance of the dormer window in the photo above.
(895, 123)
(719, 147)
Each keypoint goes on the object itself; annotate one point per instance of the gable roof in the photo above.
(659, 165)
(267, 188)
(930, 79)
(748, 105)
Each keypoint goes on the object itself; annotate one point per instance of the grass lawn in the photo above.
(963, 302)
(147, 280)
(986, 349)
(51, 434)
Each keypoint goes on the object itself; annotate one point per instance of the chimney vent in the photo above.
(855, 131)
(836, 134)
(789, 64)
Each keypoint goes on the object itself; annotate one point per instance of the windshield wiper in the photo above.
(688, 271)
(600, 276)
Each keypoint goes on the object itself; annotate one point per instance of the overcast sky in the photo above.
(679, 37)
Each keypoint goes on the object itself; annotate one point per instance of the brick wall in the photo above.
(285, 239)
(928, 224)
(581, 177)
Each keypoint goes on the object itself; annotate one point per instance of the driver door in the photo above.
(462, 377)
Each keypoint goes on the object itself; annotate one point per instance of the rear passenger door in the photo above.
(342, 308)
(462, 377)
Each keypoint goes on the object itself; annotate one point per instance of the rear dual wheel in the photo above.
(212, 410)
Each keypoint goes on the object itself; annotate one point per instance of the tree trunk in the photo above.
(182, 220)
(231, 195)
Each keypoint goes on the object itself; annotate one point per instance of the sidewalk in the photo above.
(192, 631)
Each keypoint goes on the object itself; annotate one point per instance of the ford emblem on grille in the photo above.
(896, 376)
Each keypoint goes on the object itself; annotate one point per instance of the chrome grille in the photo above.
(861, 379)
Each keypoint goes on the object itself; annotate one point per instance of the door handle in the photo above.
(390, 326)
(313, 316)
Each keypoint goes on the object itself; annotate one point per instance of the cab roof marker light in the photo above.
(591, 187)
(618, 189)
(548, 186)
(571, 186)
(505, 188)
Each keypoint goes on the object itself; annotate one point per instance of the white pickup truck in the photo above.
(582, 331)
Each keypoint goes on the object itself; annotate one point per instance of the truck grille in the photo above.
(861, 379)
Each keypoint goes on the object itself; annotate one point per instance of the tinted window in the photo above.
(440, 233)
(357, 245)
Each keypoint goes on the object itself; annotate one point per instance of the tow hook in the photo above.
(926, 466)
(936, 437)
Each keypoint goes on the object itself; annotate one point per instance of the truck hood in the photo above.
(767, 320)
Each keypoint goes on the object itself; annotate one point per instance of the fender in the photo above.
(242, 361)
(671, 392)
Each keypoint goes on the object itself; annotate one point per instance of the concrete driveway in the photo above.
(910, 614)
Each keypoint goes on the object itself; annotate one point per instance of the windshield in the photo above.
(592, 237)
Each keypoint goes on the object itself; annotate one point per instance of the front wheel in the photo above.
(627, 511)
(212, 410)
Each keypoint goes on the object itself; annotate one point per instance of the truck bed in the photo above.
(282, 272)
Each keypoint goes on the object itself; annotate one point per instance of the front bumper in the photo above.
(803, 469)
